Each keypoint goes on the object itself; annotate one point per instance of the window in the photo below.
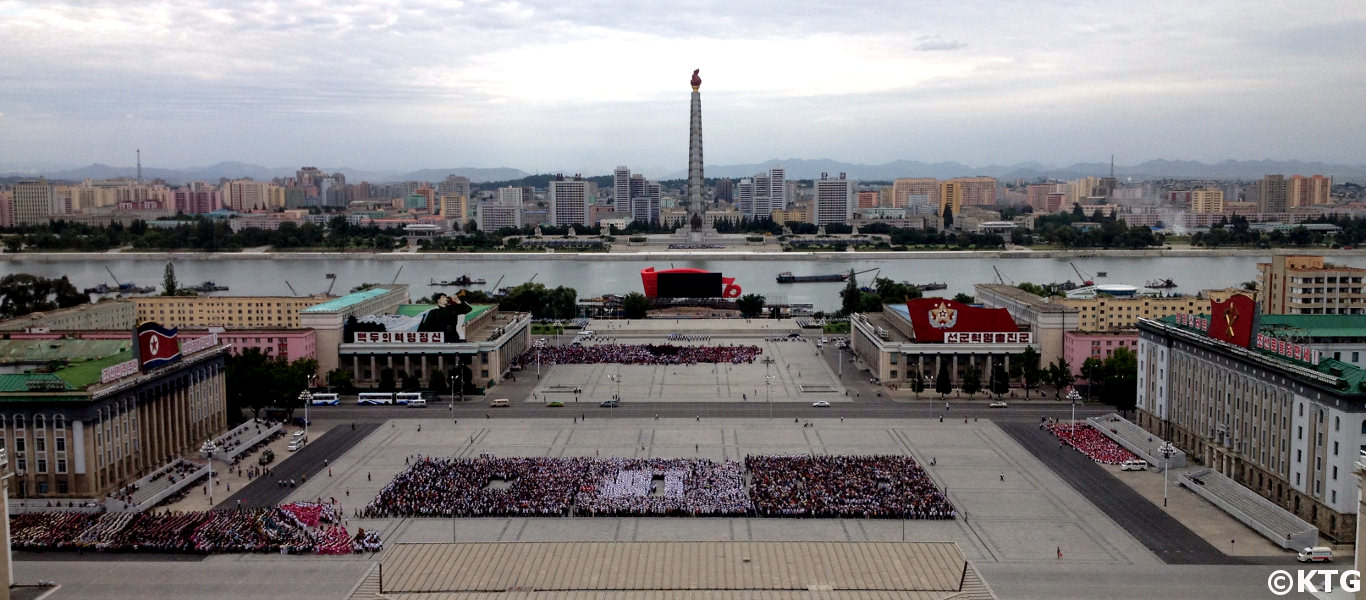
(40, 444)
(61, 444)
(61, 465)
(42, 464)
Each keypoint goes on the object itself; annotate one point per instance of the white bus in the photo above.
(406, 397)
(326, 399)
(375, 398)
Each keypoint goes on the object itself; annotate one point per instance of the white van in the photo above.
(1134, 465)
(417, 403)
(499, 402)
(1315, 554)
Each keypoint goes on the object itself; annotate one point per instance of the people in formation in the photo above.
(872, 486)
(1087, 440)
(640, 354)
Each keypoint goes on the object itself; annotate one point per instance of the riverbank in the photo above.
(59, 257)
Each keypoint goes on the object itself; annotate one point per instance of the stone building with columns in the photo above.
(491, 340)
(917, 338)
(79, 419)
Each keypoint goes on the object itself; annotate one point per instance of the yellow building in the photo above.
(906, 188)
(1207, 201)
(1305, 285)
(801, 214)
(976, 191)
(1110, 314)
(109, 314)
(455, 208)
(1308, 191)
(233, 312)
(951, 196)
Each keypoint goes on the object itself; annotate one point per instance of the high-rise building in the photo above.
(456, 185)
(492, 216)
(725, 191)
(915, 190)
(744, 198)
(1037, 195)
(1306, 285)
(510, 196)
(951, 197)
(6, 208)
(245, 195)
(868, 199)
(621, 188)
(777, 188)
(1271, 194)
(834, 200)
(569, 200)
(1308, 191)
(1207, 201)
(977, 191)
(32, 201)
(645, 205)
(455, 210)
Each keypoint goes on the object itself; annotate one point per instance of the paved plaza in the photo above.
(1018, 523)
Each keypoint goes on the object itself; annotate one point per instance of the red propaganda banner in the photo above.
(1232, 321)
(157, 346)
(932, 318)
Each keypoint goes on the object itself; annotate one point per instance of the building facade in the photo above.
(835, 199)
(232, 312)
(1306, 285)
(569, 201)
(108, 314)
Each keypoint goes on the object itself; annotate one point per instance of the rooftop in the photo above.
(346, 301)
(413, 310)
(1018, 295)
(76, 362)
(1316, 326)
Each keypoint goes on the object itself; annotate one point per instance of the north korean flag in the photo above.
(157, 346)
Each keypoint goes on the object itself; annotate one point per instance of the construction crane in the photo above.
(333, 277)
(291, 288)
(1084, 279)
(400, 272)
(1001, 279)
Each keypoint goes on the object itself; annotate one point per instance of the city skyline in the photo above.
(546, 88)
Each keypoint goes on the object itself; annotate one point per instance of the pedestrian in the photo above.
(329, 471)
(419, 427)
(1059, 552)
(1003, 476)
(696, 447)
(367, 476)
(348, 492)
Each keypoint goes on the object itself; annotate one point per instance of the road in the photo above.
(1166, 537)
(306, 462)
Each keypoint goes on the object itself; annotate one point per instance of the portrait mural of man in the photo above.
(447, 317)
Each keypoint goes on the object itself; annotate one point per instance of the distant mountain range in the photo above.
(796, 169)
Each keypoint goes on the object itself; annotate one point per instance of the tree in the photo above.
(1000, 381)
(964, 298)
(168, 282)
(1029, 365)
(851, 296)
(635, 305)
(943, 383)
(1092, 372)
(21, 294)
(917, 383)
(1060, 376)
(972, 381)
(1121, 379)
(948, 217)
(437, 382)
(750, 305)
(386, 380)
(341, 381)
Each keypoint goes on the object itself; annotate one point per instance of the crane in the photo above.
(1084, 279)
(400, 272)
(333, 277)
(1001, 279)
(291, 288)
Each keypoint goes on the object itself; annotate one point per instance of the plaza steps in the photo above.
(1280, 526)
(368, 587)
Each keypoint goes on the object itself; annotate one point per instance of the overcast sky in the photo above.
(573, 86)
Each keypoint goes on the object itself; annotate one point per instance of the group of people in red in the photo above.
(1087, 440)
(298, 527)
(641, 354)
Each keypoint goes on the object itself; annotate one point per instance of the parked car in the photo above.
(266, 457)
(1134, 465)
(821, 404)
(999, 404)
(610, 404)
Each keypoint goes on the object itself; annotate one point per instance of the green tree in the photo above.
(386, 380)
(917, 383)
(1121, 380)
(948, 218)
(851, 296)
(341, 381)
(964, 298)
(1060, 376)
(1000, 380)
(750, 305)
(408, 382)
(21, 294)
(168, 282)
(972, 381)
(635, 305)
(437, 382)
(943, 382)
(1093, 373)
(1029, 366)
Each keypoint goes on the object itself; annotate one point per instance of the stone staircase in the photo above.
(368, 588)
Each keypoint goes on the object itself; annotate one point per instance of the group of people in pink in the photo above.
(641, 354)
(298, 527)
(1087, 440)
(782, 486)
(867, 486)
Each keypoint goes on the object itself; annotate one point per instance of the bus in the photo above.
(326, 399)
(375, 398)
(406, 397)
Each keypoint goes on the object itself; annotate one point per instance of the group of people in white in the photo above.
(780, 486)
(297, 527)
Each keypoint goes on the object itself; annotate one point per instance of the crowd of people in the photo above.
(686, 487)
(1087, 440)
(642, 354)
(480, 487)
(783, 486)
(871, 486)
(297, 527)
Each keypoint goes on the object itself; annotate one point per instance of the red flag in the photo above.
(157, 346)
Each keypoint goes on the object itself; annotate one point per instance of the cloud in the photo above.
(936, 43)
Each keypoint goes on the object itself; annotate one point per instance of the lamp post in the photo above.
(1073, 397)
(207, 451)
(307, 397)
(453, 395)
(768, 388)
(539, 345)
(1166, 450)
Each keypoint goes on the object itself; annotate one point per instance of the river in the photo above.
(593, 275)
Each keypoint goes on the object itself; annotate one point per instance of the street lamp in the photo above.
(539, 345)
(453, 395)
(1166, 450)
(1073, 397)
(768, 387)
(207, 451)
(307, 397)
